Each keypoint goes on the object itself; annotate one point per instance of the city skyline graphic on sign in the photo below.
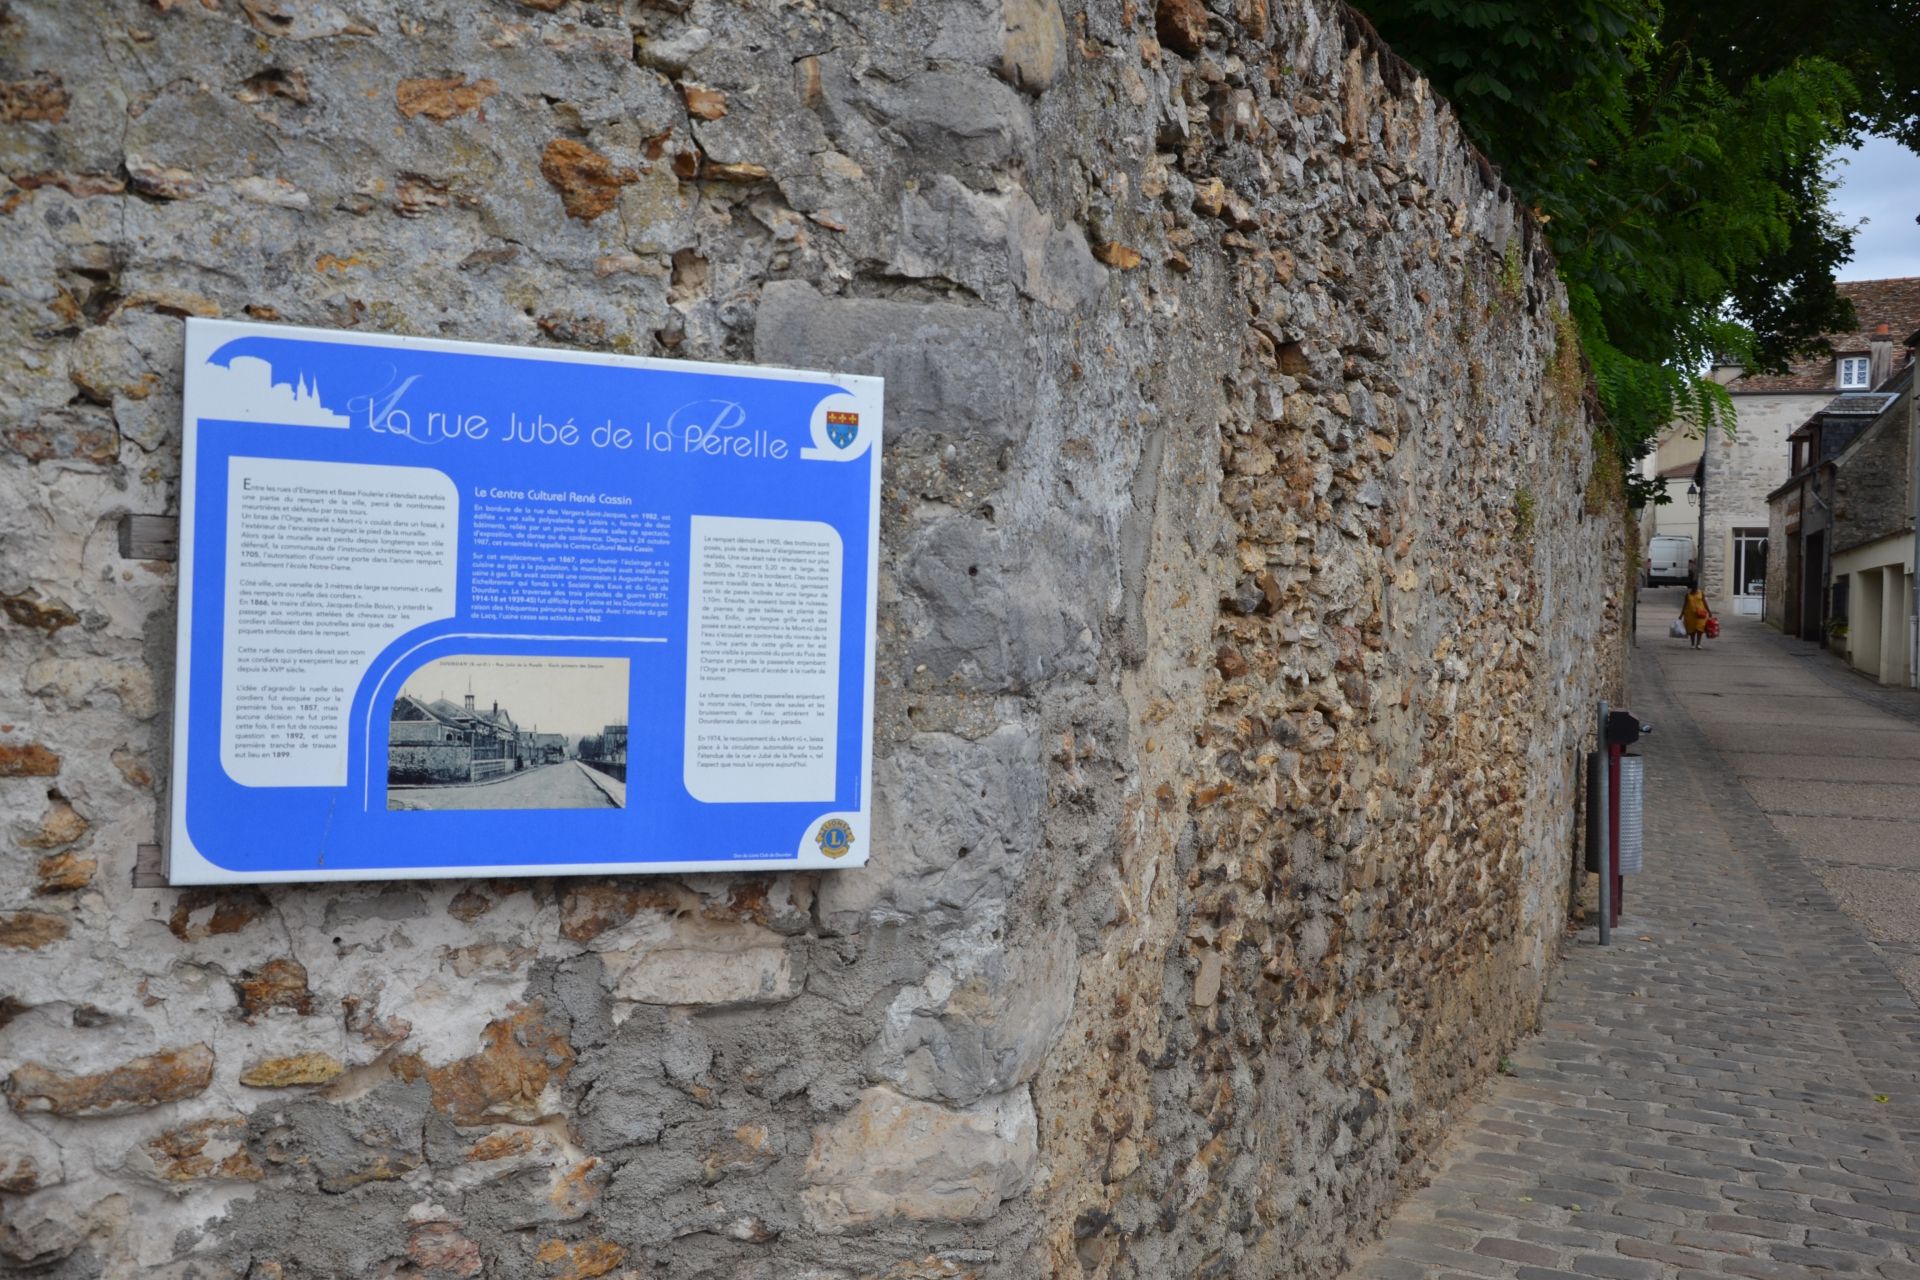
(246, 390)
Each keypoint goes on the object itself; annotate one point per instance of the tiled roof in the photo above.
(1894, 303)
(1872, 404)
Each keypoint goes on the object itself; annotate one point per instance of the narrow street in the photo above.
(1829, 757)
(566, 785)
(1733, 1088)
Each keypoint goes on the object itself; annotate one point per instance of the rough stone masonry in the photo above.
(1247, 580)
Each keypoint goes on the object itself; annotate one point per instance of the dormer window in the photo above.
(1853, 373)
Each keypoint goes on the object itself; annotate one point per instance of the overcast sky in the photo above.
(1880, 182)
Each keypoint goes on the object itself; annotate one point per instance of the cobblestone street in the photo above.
(1733, 1088)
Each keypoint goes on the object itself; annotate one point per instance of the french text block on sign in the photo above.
(449, 609)
(326, 564)
(763, 660)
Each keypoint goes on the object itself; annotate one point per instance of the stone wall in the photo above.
(1781, 546)
(437, 762)
(1243, 599)
(1871, 486)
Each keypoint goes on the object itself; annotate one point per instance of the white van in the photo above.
(1669, 559)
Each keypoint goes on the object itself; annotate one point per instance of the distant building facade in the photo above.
(1802, 528)
(1852, 492)
(1740, 471)
(1873, 546)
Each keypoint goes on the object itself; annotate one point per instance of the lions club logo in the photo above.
(835, 836)
(842, 427)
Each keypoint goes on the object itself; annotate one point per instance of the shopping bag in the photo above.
(1713, 628)
(1678, 630)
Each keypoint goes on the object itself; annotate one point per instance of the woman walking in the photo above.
(1694, 614)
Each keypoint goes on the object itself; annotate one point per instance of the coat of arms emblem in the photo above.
(842, 427)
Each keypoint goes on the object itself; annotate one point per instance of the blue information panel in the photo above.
(452, 609)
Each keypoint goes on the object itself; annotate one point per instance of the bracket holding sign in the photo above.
(453, 609)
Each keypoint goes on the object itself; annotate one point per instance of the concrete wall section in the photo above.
(1896, 595)
(1247, 584)
(1879, 577)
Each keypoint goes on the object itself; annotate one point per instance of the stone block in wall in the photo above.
(1033, 45)
(946, 365)
(437, 1250)
(705, 963)
(136, 1085)
(29, 1162)
(38, 1232)
(515, 1076)
(200, 914)
(591, 908)
(71, 438)
(1024, 42)
(955, 823)
(74, 682)
(31, 930)
(60, 826)
(209, 1150)
(745, 125)
(516, 1177)
(993, 242)
(27, 760)
(958, 1037)
(119, 364)
(277, 987)
(894, 1158)
(968, 124)
(291, 1070)
(998, 612)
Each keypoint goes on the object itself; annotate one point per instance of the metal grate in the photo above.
(1632, 795)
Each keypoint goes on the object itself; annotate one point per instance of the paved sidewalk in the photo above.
(565, 785)
(1831, 758)
(1733, 1088)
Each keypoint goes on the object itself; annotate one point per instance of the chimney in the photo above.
(1880, 355)
(496, 708)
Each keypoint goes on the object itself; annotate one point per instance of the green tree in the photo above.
(1682, 179)
(1871, 40)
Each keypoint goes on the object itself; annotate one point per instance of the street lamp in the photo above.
(1693, 494)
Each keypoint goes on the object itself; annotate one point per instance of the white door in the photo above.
(1749, 572)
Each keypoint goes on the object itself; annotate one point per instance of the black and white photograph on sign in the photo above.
(486, 732)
